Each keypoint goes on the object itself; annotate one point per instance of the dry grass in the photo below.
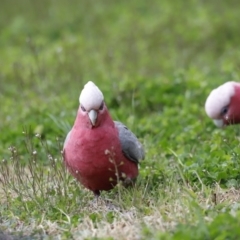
(43, 200)
(112, 218)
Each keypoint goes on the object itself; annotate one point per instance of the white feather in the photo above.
(219, 98)
(91, 97)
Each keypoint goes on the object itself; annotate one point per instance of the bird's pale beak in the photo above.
(93, 116)
(218, 122)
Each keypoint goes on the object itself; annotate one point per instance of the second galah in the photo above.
(223, 104)
(98, 151)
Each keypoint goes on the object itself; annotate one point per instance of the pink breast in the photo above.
(95, 158)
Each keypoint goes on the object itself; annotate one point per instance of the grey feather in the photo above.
(131, 147)
(66, 139)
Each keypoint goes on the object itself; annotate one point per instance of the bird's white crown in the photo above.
(91, 97)
(219, 98)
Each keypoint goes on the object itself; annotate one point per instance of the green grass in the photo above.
(156, 63)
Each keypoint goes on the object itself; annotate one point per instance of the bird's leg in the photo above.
(98, 200)
(129, 182)
(96, 195)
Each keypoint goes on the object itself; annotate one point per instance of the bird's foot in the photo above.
(104, 204)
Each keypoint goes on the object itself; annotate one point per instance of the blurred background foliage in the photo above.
(155, 61)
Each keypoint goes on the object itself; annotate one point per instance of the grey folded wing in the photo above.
(131, 147)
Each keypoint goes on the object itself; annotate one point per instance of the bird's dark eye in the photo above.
(224, 110)
(101, 107)
(83, 109)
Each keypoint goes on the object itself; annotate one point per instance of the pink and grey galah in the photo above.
(223, 104)
(98, 151)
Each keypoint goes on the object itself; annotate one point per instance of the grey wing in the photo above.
(131, 147)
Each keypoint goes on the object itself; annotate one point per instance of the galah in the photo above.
(98, 151)
(223, 104)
